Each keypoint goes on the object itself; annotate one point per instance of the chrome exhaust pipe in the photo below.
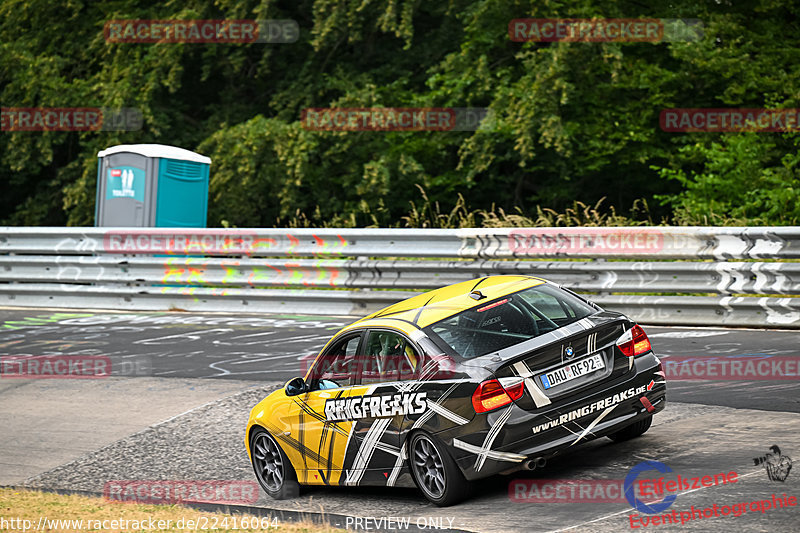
(540, 462)
(530, 464)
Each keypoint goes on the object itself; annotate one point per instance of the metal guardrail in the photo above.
(658, 275)
(629, 242)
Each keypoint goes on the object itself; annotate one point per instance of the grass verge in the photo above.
(28, 510)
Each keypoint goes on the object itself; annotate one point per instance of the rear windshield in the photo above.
(507, 321)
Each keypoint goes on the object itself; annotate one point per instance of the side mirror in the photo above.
(295, 386)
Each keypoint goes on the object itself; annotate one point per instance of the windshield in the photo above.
(509, 320)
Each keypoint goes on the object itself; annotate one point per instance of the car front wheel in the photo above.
(273, 470)
(435, 472)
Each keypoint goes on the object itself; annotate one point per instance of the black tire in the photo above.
(273, 470)
(632, 431)
(436, 474)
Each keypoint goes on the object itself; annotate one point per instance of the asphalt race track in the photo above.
(182, 385)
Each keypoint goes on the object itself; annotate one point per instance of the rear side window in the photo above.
(509, 320)
(389, 357)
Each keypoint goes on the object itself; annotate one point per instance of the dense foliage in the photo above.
(574, 121)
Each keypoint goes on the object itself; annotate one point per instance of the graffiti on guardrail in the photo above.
(225, 269)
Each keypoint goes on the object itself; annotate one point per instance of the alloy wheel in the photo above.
(268, 462)
(428, 467)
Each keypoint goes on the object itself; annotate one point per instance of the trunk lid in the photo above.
(577, 357)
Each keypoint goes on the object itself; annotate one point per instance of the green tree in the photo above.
(572, 121)
(744, 179)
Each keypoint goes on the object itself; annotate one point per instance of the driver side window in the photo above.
(337, 367)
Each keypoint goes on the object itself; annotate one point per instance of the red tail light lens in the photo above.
(634, 342)
(514, 387)
(491, 394)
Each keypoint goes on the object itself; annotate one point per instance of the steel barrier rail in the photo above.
(724, 278)
(707, 310)
(658, 310)
(656, 242)
(333, 271)
(312, 302)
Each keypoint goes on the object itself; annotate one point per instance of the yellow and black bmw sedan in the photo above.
(487, 376)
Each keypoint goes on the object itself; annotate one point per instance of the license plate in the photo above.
(573, 371)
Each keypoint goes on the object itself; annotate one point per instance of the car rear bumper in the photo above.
(505, 439)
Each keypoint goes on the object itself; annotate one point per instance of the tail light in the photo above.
(634, 342)
(493, 393)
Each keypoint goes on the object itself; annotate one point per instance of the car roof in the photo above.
(427, 308)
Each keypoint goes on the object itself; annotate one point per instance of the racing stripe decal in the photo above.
(447, 413)
(559, 333)
(321, 417)
(298, 447)
(490, 436)
(347, 446)
(415, 321)
(329, 462)
(568, 429)
(388, 448)
(491, 454)
(423, 418)
(591, 343)
(477, 284)
(364, 455)
(595, 422)
(427, 415)
(398, 466)
(325, 463)
(331, 441)
(405, 387)
(302, 438)
(539, 398)
(428, 371)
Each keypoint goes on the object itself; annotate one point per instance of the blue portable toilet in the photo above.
(151, 185)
